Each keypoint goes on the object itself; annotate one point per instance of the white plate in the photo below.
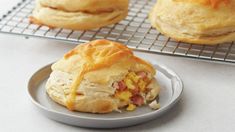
(171, 90)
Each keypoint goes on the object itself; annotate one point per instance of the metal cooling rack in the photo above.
(135, 31)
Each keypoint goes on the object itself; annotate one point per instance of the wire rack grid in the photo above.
(135, 31)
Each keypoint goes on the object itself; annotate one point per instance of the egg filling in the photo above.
(132, 89)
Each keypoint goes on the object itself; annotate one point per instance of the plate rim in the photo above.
(171, 103)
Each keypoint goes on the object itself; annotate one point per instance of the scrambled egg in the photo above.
(124, 95)
(131, 107)
(135, 78)
(129, 83)
(142, 85)
(132, 81)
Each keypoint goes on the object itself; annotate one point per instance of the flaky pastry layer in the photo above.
(75, 20)
(91, 6)
(195, 22)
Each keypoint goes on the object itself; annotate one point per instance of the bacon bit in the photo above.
(137, 100)
(135, 91)
(122, 85)
(142, 75)
(119, 85)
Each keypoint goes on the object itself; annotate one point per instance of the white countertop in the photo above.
(208, 102)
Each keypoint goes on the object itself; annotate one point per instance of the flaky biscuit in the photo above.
(79, 14)
(86, 5)
(75, 20)
(106, 62)
(195, 21)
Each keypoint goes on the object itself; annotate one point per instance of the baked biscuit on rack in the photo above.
(92, 6)
(195, 21)
(79, 14)
(100, 77)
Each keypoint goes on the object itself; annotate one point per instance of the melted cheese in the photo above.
(96, 55)
(214, 3)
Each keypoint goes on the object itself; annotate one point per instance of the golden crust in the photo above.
(102, 53)
(106, 62)
(212, 3)
(194, 23)
(75, 20)
(86, 5)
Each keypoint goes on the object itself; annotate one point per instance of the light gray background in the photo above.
(208, 102)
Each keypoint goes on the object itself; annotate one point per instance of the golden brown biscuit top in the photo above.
(100, 52)
(214, 3)
(96, 55)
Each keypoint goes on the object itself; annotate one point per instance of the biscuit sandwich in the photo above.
(102, 76)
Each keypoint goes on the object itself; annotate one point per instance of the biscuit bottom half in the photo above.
(135, 89)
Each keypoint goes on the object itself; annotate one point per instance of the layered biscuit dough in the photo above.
(195, 21)
(86, 5)
(83, 79)
(78, 14)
